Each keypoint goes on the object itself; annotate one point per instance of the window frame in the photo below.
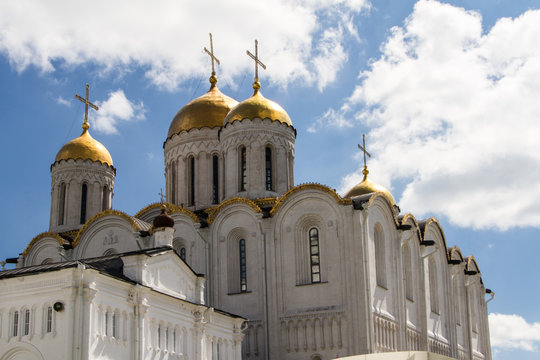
(314, 251)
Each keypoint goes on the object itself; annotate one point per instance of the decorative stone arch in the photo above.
(215, 211)
(303, 236)
(300, 189)
(112, 219)
(293, 219)
(384, 244)
(22, 351)
(437, 279)
(234, 278)
(43, 246)
(413, 280)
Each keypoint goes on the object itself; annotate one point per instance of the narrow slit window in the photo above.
(105, 203)
(380, 256)
(433, 291)
(61, 203)
(183, 253)
(243, 267)
(215, 180)
(115, 325)
(49, 319)
(15, 328)
(107, 323)
(243, 169)
(315, 258)
(407, 263)
(84, 194)
(268, 162)
(26, 328)
(192, 180)
(173, 182)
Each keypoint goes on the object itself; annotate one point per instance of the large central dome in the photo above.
(208, 110)
(257, 106)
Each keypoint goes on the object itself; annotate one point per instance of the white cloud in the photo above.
(115, 109)
(513, 332)
(167, 37)
(60, 100)
(453, 112)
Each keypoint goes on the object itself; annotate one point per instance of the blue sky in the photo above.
(447, 93)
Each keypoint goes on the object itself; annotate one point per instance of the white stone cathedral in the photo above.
(239, 263)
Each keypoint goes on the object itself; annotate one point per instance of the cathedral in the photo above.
(236, 261)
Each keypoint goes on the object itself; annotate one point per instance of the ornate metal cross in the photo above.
(86, 104)
(256, 59)
(160, 193)
(211, 53)
(363, 148)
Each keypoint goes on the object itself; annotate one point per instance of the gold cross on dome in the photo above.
(160, 193)
(256, 59)
(211, 53)
(363, 148)
(86, 104)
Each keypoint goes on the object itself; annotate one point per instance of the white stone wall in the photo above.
(255, 135)
(201, 144)
(73, 173)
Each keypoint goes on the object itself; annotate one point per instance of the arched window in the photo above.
(49, 320)
(191, 177)
(173, 182)
(105, 202)
(84, 194)
(268, 173)
(15, 324)
(433, 291)
(315, 259)
(215, 180)
(243, 265)
(183, 253)
(407, 265)
(26, 327)
(115, 325)
(243, 169)
(107, 314)
(61, 203)
(380, 255)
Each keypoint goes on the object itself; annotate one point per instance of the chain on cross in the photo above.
(257, 61)
(86, 104)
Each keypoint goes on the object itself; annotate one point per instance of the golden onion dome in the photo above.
(257, 106)
(367, 186)
(208, 110)
(85, 147)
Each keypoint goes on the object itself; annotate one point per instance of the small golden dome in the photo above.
(257, 106)
(367, 186)
(208, 110)
(85, 147)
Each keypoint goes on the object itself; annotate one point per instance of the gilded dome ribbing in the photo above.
(367, 186)
(85, 147)
(257, 106)
(208, 110)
